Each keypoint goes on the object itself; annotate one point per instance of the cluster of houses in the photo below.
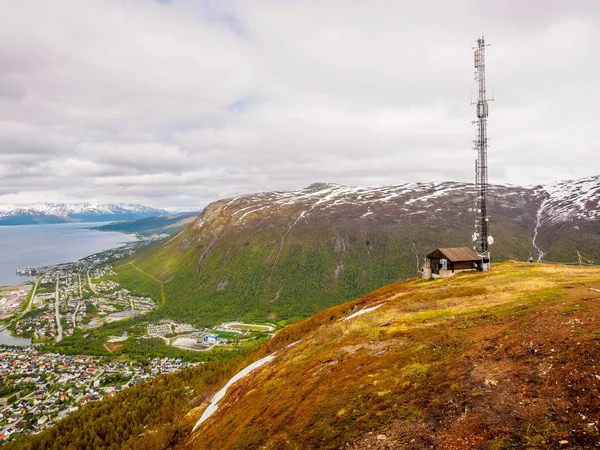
(42, 388)
(124, 298)
(39, 324)
(76, 308)
(106, 286)
(102, 271)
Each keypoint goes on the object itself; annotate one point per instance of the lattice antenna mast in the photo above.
(481, 236)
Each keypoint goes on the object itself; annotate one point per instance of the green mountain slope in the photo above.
(283, 255)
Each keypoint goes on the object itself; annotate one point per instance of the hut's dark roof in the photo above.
(455, 254)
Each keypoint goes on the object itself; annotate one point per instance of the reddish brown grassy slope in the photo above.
(506, 359)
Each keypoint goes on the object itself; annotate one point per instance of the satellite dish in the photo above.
(490, 240)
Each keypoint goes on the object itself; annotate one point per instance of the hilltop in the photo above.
(502, 359)
(505, 359)
(284, 255)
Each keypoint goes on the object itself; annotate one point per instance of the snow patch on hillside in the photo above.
(334, 195)
(362, 311)
(560, 202)
(567, 201)
(214, 402)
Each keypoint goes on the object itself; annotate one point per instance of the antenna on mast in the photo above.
(481, 237)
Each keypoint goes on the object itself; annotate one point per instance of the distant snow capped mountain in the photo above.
(43, 213)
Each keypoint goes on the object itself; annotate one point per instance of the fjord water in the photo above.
(39, 245)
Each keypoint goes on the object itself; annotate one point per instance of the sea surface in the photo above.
(41, 245)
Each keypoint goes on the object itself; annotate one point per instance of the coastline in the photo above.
(52, 245)
(30, 283)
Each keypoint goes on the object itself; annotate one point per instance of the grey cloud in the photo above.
(178, 104)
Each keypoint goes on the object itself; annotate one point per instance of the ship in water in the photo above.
(27, 271)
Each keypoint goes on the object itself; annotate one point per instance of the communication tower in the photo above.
(481, 237)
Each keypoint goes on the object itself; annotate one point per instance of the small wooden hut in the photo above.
(445, 262)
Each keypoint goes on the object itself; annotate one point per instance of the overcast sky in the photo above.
(178, 103)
